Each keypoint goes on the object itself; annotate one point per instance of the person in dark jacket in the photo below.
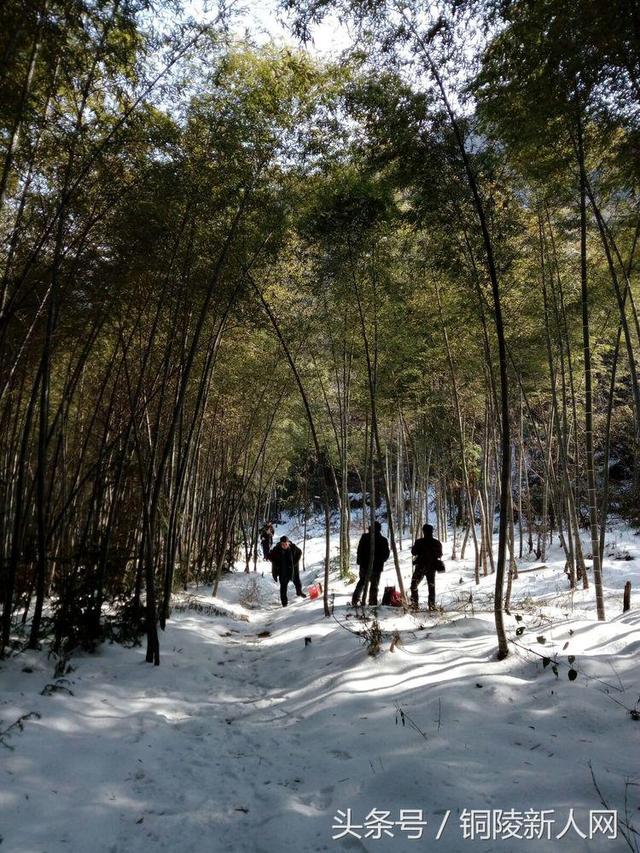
(427, 551)
(380, 556)
(285, 567)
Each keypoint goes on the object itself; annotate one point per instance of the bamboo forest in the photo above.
(303, 303)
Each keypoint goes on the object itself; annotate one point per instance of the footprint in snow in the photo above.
(351, 843)
(321, 799)
(342, 754)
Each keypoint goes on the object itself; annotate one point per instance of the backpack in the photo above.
(386, 597)
(391, 597)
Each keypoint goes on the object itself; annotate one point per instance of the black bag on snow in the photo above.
(386, 598)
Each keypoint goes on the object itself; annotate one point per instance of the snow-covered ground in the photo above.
(249, 737)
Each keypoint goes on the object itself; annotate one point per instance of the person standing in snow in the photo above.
(266, 539)
(285, 567)
(427, 552)
(380, 556)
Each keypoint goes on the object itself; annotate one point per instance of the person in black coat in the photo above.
(285, 567)
(380, 556)
(427, 552)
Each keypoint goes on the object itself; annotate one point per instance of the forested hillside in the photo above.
(241, 278)
(338, 294)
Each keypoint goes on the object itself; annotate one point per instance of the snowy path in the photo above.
(239, 742)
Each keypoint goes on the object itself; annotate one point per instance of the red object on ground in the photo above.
(315, 590)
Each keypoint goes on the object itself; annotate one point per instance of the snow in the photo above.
(248, 741)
